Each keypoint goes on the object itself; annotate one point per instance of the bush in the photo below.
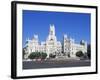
(79, 54)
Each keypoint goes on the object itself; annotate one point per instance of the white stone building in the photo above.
(66, 48)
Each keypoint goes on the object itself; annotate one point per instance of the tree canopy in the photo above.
(37, 55)
(79, 54)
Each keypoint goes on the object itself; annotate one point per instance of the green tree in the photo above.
(32, 55)
(23, 52)
(79, 54)
(52, 56)
(89, 51)
(37, 55)
(43, 55)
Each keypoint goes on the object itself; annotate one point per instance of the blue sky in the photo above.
(75, 25)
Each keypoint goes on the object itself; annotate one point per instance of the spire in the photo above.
(36, 36)
(28, 39)
(52, 29)
(65, 36)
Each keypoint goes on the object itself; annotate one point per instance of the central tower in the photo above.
(51, 36)
(52, 30)
(51, 41)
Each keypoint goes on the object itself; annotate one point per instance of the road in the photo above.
(55, 64)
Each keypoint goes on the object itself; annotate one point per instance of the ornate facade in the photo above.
(66, 48)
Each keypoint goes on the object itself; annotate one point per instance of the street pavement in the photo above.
(55, 64)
